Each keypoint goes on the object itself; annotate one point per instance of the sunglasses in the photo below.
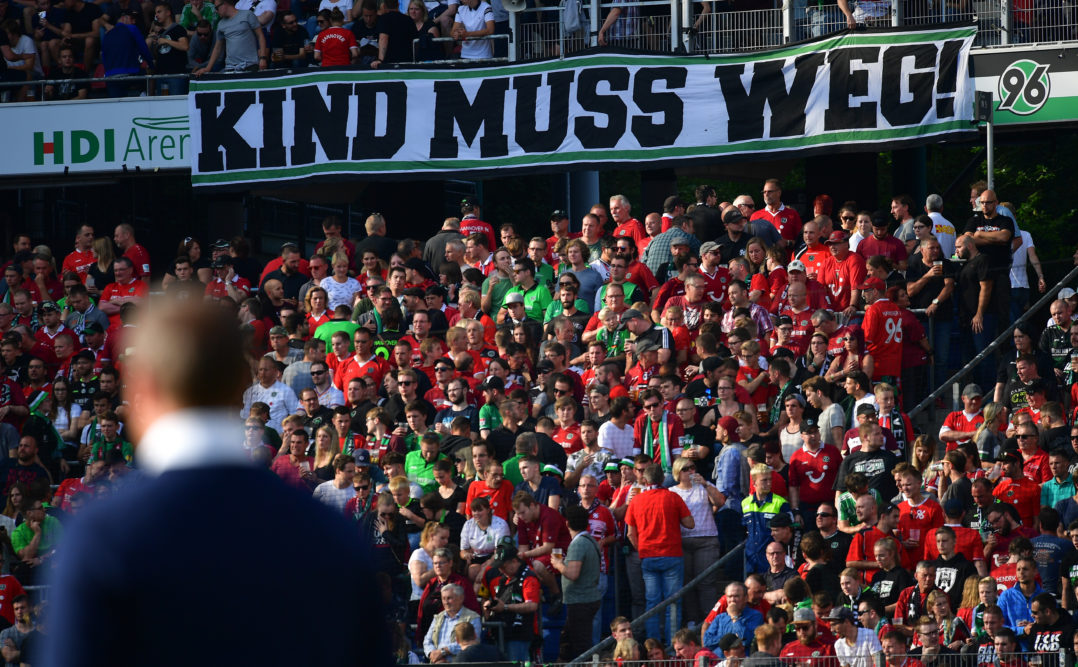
(651, 405)
(443, 369)
(405, 383)
(825, 514)
(364, 487)
(313, 373)
(561, 392)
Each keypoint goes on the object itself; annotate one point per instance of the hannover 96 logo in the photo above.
(1024, 87)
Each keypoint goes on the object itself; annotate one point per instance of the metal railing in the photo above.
(1003, 337)
(38, 85)
(734, 555)
(421, 41)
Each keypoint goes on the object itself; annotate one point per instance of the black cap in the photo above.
(544, 366)
(954, 507)
(493, 382)
(93, 328)
(809, 424)
(220, 244)
(505, 551)
(782, 520)
(558, 215)
(784, 320)
(1010, 456)
(732, 216)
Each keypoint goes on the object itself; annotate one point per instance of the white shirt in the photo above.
(279, 397)
(482, 542)
(473, 21)
(944, 232)
(1019, 274)
(617, 440)
(860, 654)
(192, 439)
(330, 398)
(260, 7)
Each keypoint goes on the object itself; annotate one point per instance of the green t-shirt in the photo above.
(627, 287)
(419, 471)
(100, 448)
(536, 300)
(847, 504)
(544, 274)
(511, 470)
(489, 417)
(51, 532)
(412, 440)
(583, 548)
(326, 331)
(497, 292)
(555, 309)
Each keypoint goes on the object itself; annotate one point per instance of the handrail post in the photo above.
(675, 25)
(787, 21)
(595, 21)
(1005, 21)
(897, 15)
(513, 41)
(686, 23)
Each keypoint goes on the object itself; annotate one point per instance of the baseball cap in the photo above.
(708, 246)
(220, 244)
(493, 382)
(804, 615)
(971, 390)
(558, 215)
(552, 469)
(362, 458)
(873, 283)
(469, 201)
(646, 346)
(784, 320)
(837, 236)
(278, 331)
(49, 307)
(93, 328)
(1065, 293)
(626, 462)
(1009, 456)
(84, 354)
(866, 409)
(954, 507)
(809, 424)
(544, 366)
(796, 265)
(611, 466)
(505, 551)
(514, 297)
(728, 641)
(733, 215)
(631, 314)
(839, 613)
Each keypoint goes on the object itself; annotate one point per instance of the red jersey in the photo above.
(134, 288)
(763, 392)
(641, 276)
(601, 525)
(376, 367)
(835, 346)
(335, 45)
(216, 288)
(79, 261)
(549, 527)
(141, 259)
(54, 289)
(861, 549)
(883, 337)
(1035, 466)
(841, 277)
(815, 296)
(668, 290)
(69, 488)
(553, 241)
(10, 588)
(501, 499)
(1000, 554)
(967, 542)
(1024, 494)
(645, 443)
(655, 515)
(963, 423)
(889, 247)
(813, 257)
(568, 438)
(784, 219)
(803, 328)
(914, 522)
(715, 285)
(633, 229)
(814, 473)
(694, 312)
(470, 224)
(814, 649)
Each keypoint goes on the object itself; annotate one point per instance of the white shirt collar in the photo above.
(192, 439)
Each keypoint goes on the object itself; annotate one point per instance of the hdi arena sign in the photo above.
(846, 92)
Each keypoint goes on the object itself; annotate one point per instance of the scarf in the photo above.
(897, 424)
(664, 446)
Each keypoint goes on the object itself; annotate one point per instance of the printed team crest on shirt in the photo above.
(1010, 493)
(826, 459)
(568, 436)
(920, 514)
(273, 394)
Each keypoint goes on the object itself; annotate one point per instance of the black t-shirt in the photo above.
(83, 20)
(970, 278)
(68, 91)
(1069, 569)
(701, 435)
(824, 577)
(729, 248)
(951, 576)
(887, 586)
(3, 42)
(876, 466)
(1050, 638)
(839, 544)
(290, 42)
(999, 254)
(167, 59)
(401, 31)
(932, 288)
(367, 38)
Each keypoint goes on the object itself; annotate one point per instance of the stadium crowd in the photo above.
(509, 419)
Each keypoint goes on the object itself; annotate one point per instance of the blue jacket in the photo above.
(756, 517)
(123, 50)
(743, 627)
(1015, 606)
